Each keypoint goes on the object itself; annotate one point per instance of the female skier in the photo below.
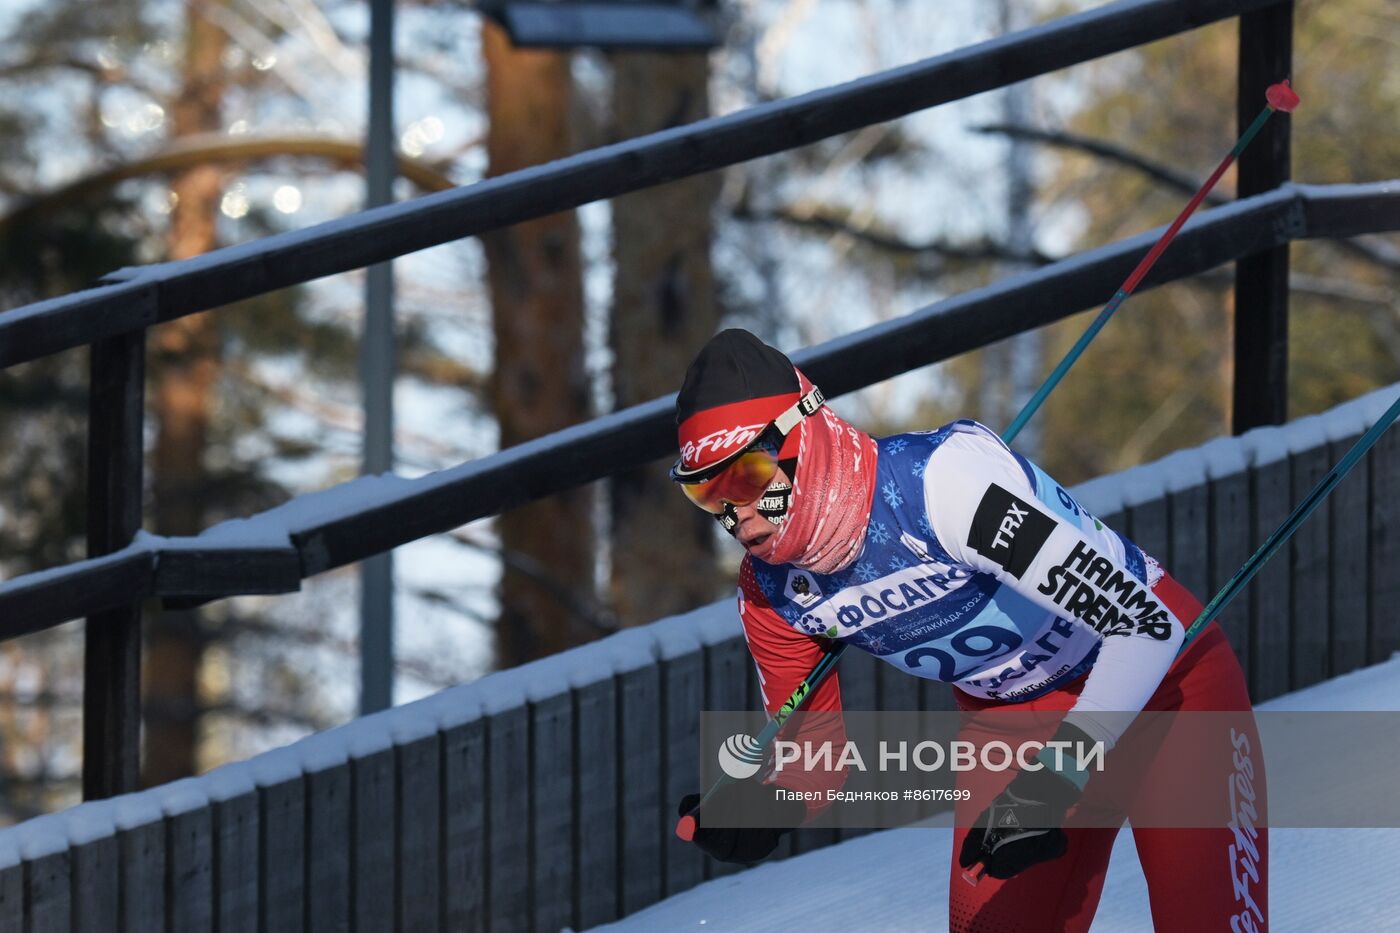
(950, 556)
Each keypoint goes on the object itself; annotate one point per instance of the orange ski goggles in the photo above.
(742, 479)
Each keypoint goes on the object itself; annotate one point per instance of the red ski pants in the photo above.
(1197, 879)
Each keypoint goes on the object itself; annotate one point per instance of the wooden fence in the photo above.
(542, 797)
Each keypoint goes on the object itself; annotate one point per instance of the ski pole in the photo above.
(1280, 97)
(686, 825)
(1290, 524)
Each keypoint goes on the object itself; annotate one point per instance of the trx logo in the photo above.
(1009, 523)
(1008, 530)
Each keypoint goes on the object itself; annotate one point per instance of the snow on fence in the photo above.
(543, 796)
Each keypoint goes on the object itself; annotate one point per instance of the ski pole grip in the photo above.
(685, 827)
(974, 873)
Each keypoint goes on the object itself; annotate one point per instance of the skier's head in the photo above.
(735, 416)
(754, 434)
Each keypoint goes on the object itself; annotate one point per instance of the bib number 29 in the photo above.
(964, 649)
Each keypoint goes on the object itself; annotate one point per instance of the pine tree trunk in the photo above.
(539, 386)
(664, 309)
(183, 377)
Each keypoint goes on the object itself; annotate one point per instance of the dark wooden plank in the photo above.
(1349, 557)
(48, 890)
(234, 803)
(552, 811)
(12, 893)
(420, 835)
(1261, 280)
(1151, 524)
(190, 868)
(508, 813)
(682, 695)
(1189, 560)
(1271, 588)
(328, 845)
(1383, 467)
(374, 865)
(1116, 520)
(596, 755)
(188, 577)
(464, 826)
(142, 846)
(642, 799)
(112, 653)
(96, 891)
(728, 669)
(1311, 589)
(1230, 548)
(283, 854)
(34, 602)
(858, 672)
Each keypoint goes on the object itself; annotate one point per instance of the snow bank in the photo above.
(1226, 456)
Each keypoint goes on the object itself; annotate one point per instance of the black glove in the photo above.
(1022, 826)
(744, 845)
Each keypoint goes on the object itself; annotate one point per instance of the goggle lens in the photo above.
(742, 483)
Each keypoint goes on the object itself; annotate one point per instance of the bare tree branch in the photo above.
(423, 670)
(1372, 249)
(828, 219)
(44, 59)
(216, 147)
(595, 616)
(1105, 150)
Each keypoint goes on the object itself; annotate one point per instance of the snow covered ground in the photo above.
(1320, 880)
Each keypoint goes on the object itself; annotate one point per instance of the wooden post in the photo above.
(112, 680)
(1261, 280)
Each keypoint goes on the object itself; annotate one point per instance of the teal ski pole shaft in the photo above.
(1290, 524)
(1277, 101)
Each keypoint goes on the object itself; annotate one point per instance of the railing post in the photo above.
(1261, 280)
(112, 662)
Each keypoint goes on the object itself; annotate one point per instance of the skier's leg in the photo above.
(1199, 877)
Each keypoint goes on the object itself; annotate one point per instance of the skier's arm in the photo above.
(784, 657)
(985, 512)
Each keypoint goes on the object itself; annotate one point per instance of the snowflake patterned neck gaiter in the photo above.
(826, 520)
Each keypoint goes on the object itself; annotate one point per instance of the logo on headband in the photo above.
(720, 443)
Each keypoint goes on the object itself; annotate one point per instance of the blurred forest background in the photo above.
(138, 131)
